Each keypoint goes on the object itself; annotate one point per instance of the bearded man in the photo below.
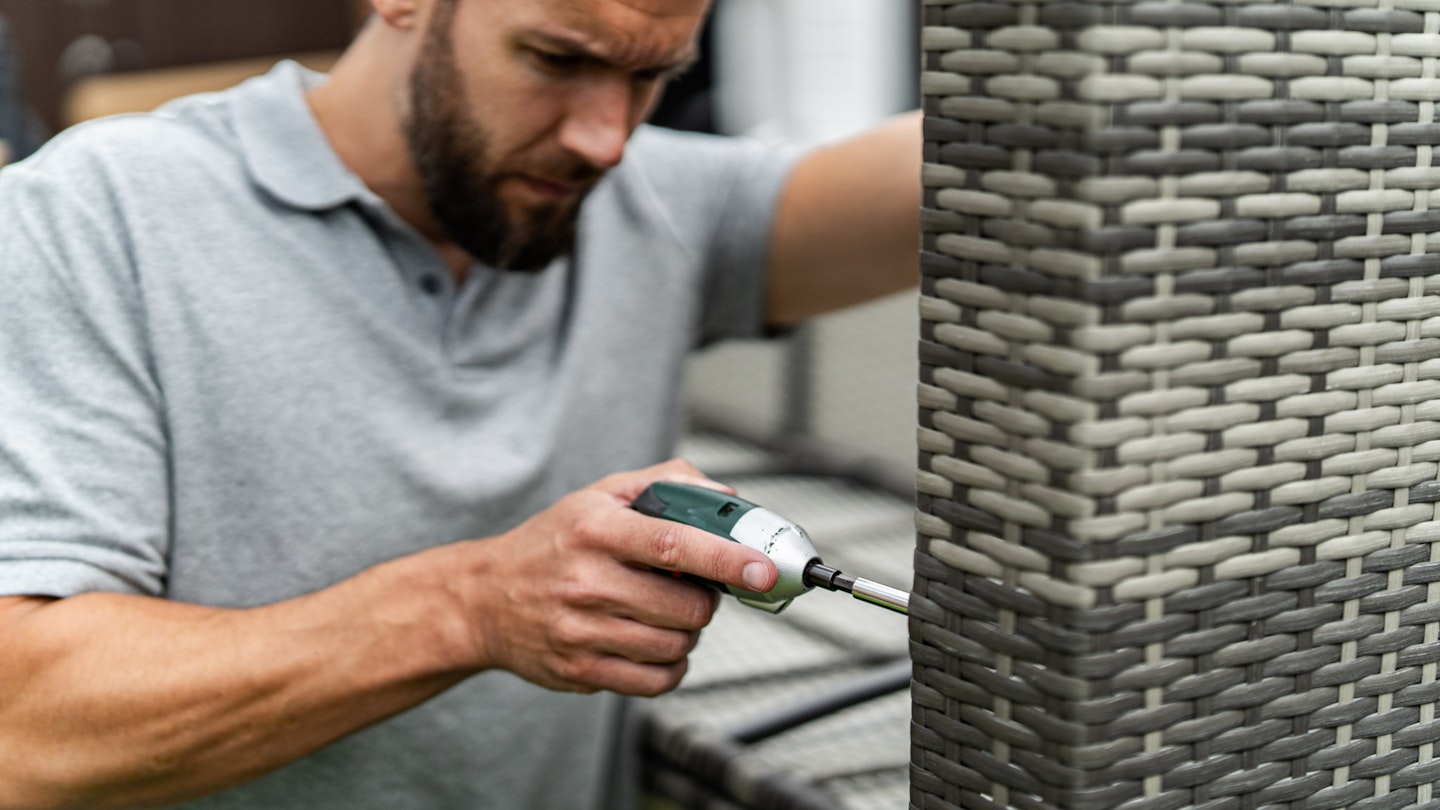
(324, 399)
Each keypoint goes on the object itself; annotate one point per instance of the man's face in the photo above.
(517, 108)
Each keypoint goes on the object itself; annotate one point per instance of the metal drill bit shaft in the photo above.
(821, 575)
(883, 595)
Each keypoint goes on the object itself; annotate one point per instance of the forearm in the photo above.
(173, 701)
(121, 701)
(847, 229)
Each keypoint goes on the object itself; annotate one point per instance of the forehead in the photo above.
(651, 10)
(625, 31)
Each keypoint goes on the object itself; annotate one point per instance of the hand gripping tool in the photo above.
(783, 541)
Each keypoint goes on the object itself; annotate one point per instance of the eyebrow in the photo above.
(578, 47)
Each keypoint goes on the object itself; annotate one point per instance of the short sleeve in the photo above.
(84, 499)
(719, 194)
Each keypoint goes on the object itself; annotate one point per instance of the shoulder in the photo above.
(76, 211)
(665, 156)
(690, 180)
(111, 159)
(649, 140)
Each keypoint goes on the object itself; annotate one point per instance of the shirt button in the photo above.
(431, 285)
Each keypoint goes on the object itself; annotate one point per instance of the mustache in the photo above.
(561, 170)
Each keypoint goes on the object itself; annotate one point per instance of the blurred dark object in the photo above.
(688, 102)
(19, 129)
(61, 41)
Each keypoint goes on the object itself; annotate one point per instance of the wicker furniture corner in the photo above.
(1180, 407)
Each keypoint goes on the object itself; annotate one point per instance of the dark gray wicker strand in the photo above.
(1180, 406)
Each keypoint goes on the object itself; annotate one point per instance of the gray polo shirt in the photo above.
(230, 375)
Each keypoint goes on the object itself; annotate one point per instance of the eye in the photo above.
(556, 62)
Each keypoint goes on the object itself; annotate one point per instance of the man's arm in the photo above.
(110, 700)
(114, 700)
(847, 228)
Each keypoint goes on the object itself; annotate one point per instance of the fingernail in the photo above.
(755, 576)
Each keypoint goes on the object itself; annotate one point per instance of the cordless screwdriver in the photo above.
(783, 541)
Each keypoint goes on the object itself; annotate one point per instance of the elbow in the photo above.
(32, 776)
(19, 790)
(25, 784)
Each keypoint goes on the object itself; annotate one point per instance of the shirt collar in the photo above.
(283, 145)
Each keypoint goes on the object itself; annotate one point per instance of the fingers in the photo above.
(655, 598)
(589, 672)
(624, 638)
(641, 648)
(672, 546)
(589, 648)
(572, 599)
(627, 486)
(626, 677)
(660, 599)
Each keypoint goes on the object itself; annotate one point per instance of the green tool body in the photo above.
(783, 541)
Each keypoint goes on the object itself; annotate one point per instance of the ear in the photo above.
(398, 13)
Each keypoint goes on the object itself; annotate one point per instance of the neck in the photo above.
(369, 137)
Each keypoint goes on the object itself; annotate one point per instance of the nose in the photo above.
(600, 120)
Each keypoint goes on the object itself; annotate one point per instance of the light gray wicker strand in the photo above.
(1180, 406)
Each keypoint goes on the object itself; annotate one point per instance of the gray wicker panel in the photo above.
(1180, 359)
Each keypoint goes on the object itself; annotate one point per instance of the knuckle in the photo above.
(679, 645)
(652, 680)
(572, 637)
(667, 548)
(651, 686)
(665, 649)
(568, 634)
(698, 611)
(578, 670)
(720, 559)
(589, 528)
(580, 633)
(580, 593)
(671, 676)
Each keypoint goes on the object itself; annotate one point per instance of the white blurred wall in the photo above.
(810, 70)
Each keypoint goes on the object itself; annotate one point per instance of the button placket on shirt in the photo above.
(431, 284)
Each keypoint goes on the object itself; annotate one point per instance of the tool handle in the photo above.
(704, 508)
(715, 512)
(691, 505)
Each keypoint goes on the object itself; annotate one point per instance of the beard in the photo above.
(451, 152)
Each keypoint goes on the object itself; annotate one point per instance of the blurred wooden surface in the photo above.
(61, 42)
(143, 90)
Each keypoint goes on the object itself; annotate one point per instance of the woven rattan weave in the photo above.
(1180, 406)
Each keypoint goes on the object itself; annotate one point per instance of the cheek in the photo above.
(518, 124)
(503, 100)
